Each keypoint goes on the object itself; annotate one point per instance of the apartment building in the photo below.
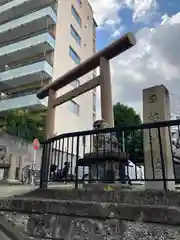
(39, 41)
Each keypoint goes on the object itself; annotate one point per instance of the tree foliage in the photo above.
(24, 123)
(131, 140)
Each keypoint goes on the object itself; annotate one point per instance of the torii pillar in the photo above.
(106, 92)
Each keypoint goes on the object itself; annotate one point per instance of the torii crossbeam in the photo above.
(99, 59)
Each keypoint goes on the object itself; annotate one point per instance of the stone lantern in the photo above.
(106, 159)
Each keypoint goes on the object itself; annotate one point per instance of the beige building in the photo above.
(39, 41)
(75, 42)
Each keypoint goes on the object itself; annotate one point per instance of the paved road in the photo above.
(3, 236)
(10, 191)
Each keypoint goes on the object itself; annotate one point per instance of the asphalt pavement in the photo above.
(3, 236)
(11, 190)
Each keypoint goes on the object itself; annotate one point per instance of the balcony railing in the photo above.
(17, 8)
(28, 24)
(22, 100)
(26, 48)
(26, 75)
(4, 2)
(19, 94)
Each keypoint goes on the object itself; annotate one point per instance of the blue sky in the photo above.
(155, 59)
(169, 7)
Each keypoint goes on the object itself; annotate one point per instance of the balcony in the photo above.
(25, 75)
(28, 24)
(26, 48)
(16, 8)
(28, 101)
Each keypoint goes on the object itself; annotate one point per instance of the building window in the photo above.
(75, 83)
(75, 15)
(74, 56)
(79, 2)
(74, 107)
(94, 117)
(75, 35)
(94, 102)
(94, 28)
(94, 45)
(94, 74)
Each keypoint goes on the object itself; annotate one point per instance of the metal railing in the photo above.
(20, 94)
(129, 154)
(28, 36)
(28, 12)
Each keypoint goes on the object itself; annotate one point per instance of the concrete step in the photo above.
(169, 198)
(87, 209)
(9, 232)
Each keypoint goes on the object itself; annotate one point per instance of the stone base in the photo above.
(12, 182)
(90, 220)
(105, 186)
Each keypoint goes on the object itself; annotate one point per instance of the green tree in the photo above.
(124, 115)
(24, 123)
(132, 140)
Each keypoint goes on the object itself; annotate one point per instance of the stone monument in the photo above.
(156, 107)
(4, 157)
(106, 157)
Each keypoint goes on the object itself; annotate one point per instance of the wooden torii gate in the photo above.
(99, 59)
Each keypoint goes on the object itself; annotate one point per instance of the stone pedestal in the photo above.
(104, 167)
(20, 173)
(106, 160)
(12, 170)
(157, 144)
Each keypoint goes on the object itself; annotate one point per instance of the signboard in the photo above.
(36, 144)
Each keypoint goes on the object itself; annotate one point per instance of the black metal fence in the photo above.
(129, 154)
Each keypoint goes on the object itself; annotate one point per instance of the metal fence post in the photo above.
(42, 170)
(77, 162)
(162, 160)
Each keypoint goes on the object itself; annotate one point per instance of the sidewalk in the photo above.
(11, 190)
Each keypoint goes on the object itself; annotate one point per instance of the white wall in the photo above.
(14, 146)
(135, 172)
(65, 121)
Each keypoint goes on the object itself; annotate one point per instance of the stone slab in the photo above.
(9, 232)
(96, 215)
(12, 182)
(147, 213)
(102, 186)
(76, 228)
(169, 198)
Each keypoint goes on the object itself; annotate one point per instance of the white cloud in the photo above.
(118, 32)
(106, 11)
(143, 10)
(154, 60)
